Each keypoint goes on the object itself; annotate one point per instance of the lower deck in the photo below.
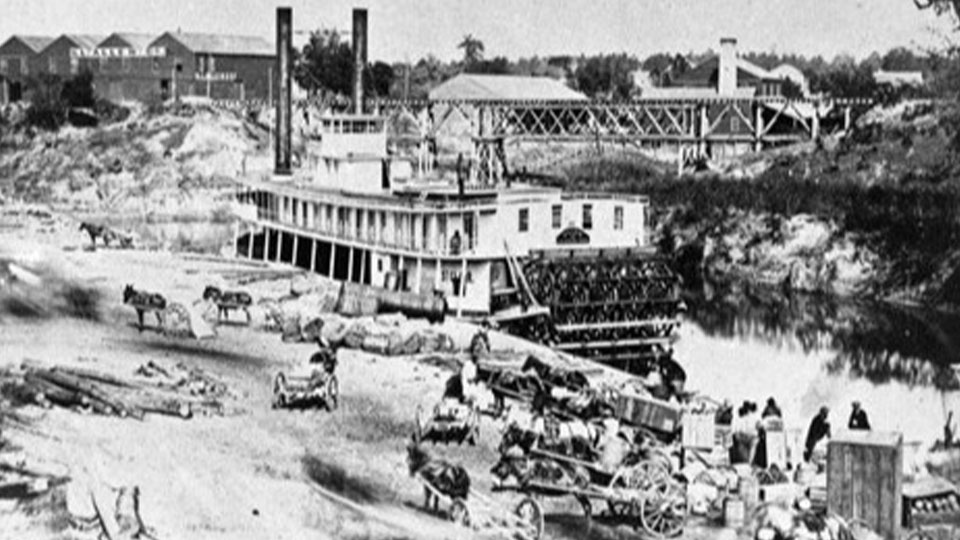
(472, 287)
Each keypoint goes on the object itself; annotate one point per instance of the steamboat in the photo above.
(573, 270)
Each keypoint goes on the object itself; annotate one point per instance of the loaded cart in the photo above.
(450, 420)
(306, 388)
(480, 512)
(643, 494)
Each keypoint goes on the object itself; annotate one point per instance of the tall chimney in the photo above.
(282, 141)
(727, 77)
(359, 57)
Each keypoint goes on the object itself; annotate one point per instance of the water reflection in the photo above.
(874, 341)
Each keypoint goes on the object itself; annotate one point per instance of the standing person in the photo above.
(744, 433)
(771, 409)
(858, 418)
(819, 428)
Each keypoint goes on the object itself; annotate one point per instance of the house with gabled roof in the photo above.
(17, 63)
(61, 56)
(220, 66)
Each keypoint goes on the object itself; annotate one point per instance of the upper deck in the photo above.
(357, 190)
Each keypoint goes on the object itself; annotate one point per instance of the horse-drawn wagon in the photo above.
(451, 420)
(313, 384)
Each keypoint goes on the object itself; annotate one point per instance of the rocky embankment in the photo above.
(798, 253)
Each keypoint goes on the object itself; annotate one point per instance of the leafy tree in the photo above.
(498, 66)
(78, 91)
(325, 65)
(901, 59)
(608, 76)
(472, 50)
(378, 79)
(47, 109)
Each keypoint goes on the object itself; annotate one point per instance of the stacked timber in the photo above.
(179, 391)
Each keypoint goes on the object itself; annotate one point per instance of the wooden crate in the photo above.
(699, 431)
(928, 490)
(648, 411)
(864, 479)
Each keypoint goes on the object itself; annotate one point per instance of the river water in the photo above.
(808, 351)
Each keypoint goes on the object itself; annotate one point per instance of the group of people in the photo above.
(749, 429)
(820, 426)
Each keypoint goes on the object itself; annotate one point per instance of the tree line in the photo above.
(325, 65)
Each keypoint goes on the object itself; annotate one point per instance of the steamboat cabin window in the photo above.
(524, 224)
(556, 212)
(588, 216)
(618, 218)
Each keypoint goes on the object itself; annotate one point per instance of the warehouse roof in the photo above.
(469, 87)
(84, 41)
(223, 44)
(138, 42)
(34, 43)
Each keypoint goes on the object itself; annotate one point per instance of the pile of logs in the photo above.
(180, 392)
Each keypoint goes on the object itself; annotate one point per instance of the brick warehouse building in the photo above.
(220, 67)
(144, 67)
(17, 63)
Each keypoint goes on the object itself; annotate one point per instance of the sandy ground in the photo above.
(255, 472)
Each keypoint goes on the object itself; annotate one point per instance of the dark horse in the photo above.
(109, 235)
(144, 301)
(228, 300)
(448, 479)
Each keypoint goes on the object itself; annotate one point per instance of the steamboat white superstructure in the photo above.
(574, 269)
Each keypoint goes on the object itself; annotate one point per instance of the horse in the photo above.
(444, 477)
(570, 379)
(145, 301)
(109, 235)
(573, 438)
(228, 300)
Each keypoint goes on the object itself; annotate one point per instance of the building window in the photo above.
(156, 64)
(52, 65)
(556, 217)
(524, 223)
(734, 124)
(3, 65)
(588, 216)
(618, 217)
(74, 65)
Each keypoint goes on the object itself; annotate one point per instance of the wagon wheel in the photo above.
(663, 513)
(459, 513)
(643, 479)
(531, 514)
(279, 390)
(332, 399)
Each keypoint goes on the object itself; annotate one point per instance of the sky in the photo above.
(406, 30)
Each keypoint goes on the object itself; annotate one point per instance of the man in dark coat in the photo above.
(858, 418)
(771, 409)
(819, 428)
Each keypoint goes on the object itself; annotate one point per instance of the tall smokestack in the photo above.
(727, 76)
(283, 72)
(359, 57)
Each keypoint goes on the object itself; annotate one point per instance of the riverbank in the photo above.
(875, 214)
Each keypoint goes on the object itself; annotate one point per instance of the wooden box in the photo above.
(864, 479)
(648, 411)
(930, 501)
(699, 431)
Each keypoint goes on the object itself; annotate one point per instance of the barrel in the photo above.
(734, 512)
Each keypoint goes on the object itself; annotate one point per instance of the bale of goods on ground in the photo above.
(358, 300)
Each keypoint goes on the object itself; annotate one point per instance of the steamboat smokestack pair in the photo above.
(284, 70)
